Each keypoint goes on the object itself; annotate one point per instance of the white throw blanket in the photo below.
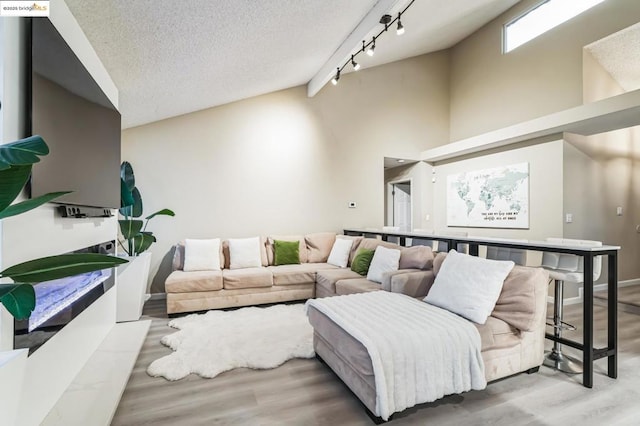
(419, 352)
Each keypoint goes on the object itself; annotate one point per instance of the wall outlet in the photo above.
(619, 211)
(352, 204)
(568, 218)
(427, 217)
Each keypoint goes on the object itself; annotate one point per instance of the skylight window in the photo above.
(541, 19)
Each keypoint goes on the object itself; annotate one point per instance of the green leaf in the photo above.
(126, 211)
(164, 212)
(126, 198)
(31, 204)
(61, 266)
(130, 228)
(137, 203)
(126, 174)
(19, 299)
(142, 242)
(12, 180)
(22, 152)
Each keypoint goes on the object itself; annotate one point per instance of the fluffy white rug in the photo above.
(217, 341)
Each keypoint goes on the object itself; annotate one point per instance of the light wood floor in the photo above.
(305, 392)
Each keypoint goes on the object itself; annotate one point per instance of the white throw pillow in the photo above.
(202, 255)
(244, 253)
(339, 255)
(384, 260)
(469, 285)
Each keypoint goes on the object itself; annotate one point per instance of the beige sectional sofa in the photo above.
(202, 290)
(512, 339)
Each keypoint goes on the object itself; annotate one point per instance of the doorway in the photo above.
(400, 205)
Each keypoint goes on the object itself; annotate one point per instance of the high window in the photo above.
(542, 18)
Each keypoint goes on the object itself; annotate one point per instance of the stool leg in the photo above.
(555, 358)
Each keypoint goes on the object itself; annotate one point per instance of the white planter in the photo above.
(12, 367)
(131, 286)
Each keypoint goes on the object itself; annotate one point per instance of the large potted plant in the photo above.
(136, 239)
(18, 297)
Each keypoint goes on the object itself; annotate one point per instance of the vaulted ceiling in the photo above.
(169, 58)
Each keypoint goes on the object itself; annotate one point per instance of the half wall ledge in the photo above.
(616, 112)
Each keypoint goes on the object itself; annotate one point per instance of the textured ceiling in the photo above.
(619, 55)
(169, 58)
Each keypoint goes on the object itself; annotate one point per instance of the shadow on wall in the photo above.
(157, 284)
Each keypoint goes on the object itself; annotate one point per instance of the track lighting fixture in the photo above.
(335, 79)
(385, 20)
(372, 47)
(356, 66)
(400, 29)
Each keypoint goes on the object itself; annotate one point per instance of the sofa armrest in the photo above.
(414, 284)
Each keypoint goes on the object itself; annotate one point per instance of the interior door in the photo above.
(402, 205)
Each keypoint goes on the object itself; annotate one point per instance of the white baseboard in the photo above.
(597, 287)
(157, 296)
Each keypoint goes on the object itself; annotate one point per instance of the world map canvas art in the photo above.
(489, 198)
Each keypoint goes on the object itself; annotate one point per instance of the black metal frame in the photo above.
(589, 352)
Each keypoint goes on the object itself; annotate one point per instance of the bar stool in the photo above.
(422, 241)
(517, 256)
(566, 268)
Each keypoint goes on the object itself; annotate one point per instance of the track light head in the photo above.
(372, 48)
(335, 79)
(385, 19)
(400, 29)
(356, 66)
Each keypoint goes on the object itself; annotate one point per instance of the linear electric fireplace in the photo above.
(60, 301)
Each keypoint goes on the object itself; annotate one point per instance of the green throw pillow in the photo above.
(286, 252)
(362, 261)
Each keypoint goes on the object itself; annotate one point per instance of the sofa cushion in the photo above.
(184, 282)
(521, 291)
(520, 294)
(437, 262)
(469, 285)
(416, 257)
(319, 246)
(286, 252)
(303, 273)
(202, 255)
(244, 253)
(247, 278)
(327, 278)
(373, 243)
(340, 252)
(354, 247)
(177, 263)
(497, 334)
(384, 260)
(270, 244)
(362, 261)
(263, 253)
(356, 285)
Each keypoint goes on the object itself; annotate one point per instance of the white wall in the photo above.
(602, 173)
(545, 190)
(283, 162)
(41, 232)
(490, 90)
(421, 194)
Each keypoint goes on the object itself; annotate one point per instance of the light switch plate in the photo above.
(568, 218)
(352, 204)
(619, 211)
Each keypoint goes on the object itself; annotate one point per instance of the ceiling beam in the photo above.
(344, 51)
